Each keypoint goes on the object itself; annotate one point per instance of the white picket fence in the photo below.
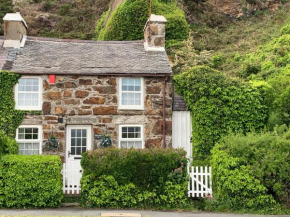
(200, 183)
(71, 180)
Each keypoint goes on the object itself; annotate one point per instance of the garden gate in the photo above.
(200, 183)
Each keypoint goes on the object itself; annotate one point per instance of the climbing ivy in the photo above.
(10, 118)
(218, 105)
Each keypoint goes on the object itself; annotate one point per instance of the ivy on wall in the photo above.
(218, 105)
(10, 118)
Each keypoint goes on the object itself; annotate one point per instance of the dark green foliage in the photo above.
(128, 20)
(6, 6)
(10, 118)
(134, 178)
(7, 144)
(252, 171)
(218, 104)
(30, 181)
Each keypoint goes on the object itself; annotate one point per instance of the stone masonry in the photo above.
(93, 100)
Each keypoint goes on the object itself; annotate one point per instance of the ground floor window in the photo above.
(131, 136)
(29, 139)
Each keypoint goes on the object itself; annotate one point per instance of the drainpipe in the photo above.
(164, 113)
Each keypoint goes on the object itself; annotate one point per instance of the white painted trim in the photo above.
(131, 107)
(131, 139)
(148, 48)
(30, 108)
(68, 138)
(40, 138)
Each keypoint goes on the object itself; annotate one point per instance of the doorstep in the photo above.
(115, 214)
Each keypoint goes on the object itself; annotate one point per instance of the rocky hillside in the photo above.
(78, 18)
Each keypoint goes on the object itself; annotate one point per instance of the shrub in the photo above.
(128, 19)
(252, 171)
(285, 29)
(6, 7)
(134, 178)
(30, 181)
(218, 104)
(7, 144)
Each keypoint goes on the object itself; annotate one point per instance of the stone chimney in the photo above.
(154, 33)
(15, 30)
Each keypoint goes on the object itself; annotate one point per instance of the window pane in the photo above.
(84, 149)
(137, 81)
(35, 145)
(20, 136)
(123, 144)
(73, 142)
(73, 151)
(28, 136)
(79, 142)
(84, 142)
(124, 135)
(79, 151)
(35, 136)
(73, 133)
(138, 144)
(131, 144)
(84, 133)
(79, 133)
(28, 146)
(35, 130)
(21, 145)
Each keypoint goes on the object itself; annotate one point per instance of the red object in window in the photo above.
(52, 79)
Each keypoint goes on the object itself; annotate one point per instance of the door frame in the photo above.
(68, 137)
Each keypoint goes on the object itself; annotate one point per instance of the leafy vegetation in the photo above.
(252, 171)
(218, 104)
(30, 181)
(10, 118)
(7, 144)
(6, 7)
(128, 19)
(134, 178)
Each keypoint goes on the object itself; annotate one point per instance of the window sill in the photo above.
(130, 108)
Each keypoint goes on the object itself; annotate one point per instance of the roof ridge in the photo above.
(32, 38)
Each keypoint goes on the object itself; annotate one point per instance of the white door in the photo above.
(181, 131)
(78, 140)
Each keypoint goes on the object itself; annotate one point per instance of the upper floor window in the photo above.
(29, 139)
(131, 93)
(131, 136)
(28, 93)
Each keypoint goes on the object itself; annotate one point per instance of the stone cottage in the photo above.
(81, 90)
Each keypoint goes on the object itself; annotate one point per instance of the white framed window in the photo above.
(131, 92)
(29, 139)
(131, 136)
(28, 93)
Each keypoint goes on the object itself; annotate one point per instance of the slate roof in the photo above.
(179, 104)
(62, 56)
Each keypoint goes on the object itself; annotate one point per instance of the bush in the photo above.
(7, 144)
(30, 181)
(218, 104)
(6, 7)
(128, 20)
(134, 178)
(252, 171)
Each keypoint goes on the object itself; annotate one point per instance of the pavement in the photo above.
(97, 212)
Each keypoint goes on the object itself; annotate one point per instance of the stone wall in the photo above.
(92, 100)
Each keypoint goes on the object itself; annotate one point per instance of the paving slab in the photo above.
(66, 211)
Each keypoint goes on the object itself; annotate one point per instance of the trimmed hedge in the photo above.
(252, 171)
(30, 181)
(7, 144)
(134, 178)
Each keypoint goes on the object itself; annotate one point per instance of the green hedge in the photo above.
(128, 20)
(134, 178)
(30, 181)
(7, 144)
(218, 104)
(252, 171)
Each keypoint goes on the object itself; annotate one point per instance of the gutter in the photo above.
(164, 112)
